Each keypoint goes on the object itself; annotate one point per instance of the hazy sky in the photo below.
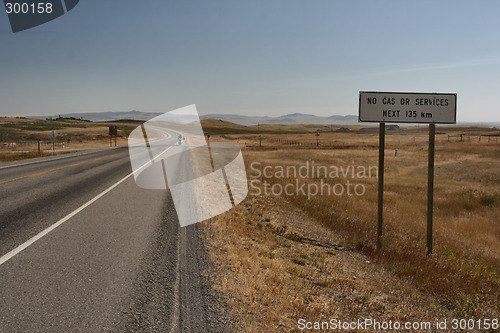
(269, 57)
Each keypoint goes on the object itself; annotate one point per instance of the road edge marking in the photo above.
(11, 254)
(6, 257)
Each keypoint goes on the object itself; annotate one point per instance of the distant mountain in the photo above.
(480, 124)
(294, 118)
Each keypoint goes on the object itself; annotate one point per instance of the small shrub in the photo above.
(488, 200)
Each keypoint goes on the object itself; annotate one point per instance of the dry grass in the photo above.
(218, 126)
(19, 136)
(262, 266)
(276, 265)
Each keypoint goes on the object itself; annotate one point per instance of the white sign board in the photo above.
(403, 107)
(53, 134)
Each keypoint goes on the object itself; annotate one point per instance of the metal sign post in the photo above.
(53, 134)
(381, 158)
(401, 107)
(430, 186)
(113, 131)
(110, 136)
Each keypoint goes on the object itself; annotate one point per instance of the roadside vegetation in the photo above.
(20, 137)
(286, 257)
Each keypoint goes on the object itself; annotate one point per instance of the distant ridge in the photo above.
(293, 118)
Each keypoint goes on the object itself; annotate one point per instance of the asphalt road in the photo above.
(113, 258)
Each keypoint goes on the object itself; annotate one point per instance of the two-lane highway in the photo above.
(84, 249)
(37, 194)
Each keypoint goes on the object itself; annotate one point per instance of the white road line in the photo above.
(32, 240)
(6, 257)
(57, 158)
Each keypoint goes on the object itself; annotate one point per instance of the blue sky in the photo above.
(269, 57)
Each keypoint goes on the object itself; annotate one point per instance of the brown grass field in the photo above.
(279, 258)
(19, 136)
(283, 257)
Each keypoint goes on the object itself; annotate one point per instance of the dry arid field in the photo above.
(19, 137)
(300, 249)
(289, 254)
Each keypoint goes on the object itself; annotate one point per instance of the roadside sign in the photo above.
(407, 107)
(317, 134)
(53, 134)
(113, 130)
